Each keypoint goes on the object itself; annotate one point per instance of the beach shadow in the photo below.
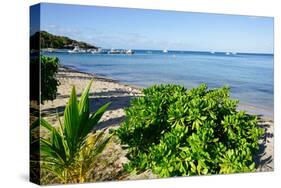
(265, 125)
(260, 158)
(53, 111)
(116, 102)
(95, 104)
(116, 92)
(118, 99)
(109, 123)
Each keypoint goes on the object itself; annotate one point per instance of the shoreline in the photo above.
(98, 77)
(264, 113)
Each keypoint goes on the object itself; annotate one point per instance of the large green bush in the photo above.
(43, 69)
(176, 132)
(49, 82)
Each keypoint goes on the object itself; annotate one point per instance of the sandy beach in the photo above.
(104, 90)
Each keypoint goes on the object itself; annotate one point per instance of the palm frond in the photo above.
(71, 122)
(68, 154)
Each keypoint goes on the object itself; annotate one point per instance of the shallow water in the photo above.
(250, 76)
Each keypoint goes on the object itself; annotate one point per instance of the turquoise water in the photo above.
(250, 76)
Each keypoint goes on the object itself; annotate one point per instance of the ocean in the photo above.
(250, 76)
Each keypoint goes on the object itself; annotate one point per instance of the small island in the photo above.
(50, 41)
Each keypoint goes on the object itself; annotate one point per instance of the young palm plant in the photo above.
(71, 149)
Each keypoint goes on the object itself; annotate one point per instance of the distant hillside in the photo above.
(48, 40)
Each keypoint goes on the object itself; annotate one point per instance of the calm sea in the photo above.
(250, 76)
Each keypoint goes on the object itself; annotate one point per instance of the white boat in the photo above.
(165, 51)
(96, 51)
(212, 52)
(77, 49)
(113, 51)
(227, 53)
(130, 51)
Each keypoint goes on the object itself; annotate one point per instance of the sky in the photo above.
(125, 28)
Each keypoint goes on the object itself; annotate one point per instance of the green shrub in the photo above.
(70, 151)
(176, 132)
(48, 67)
(49, 82)
(147, 116)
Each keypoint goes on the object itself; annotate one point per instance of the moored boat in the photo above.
(77, 49)
(114, 51)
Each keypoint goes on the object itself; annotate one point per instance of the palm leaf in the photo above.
(49, 151)
(84, 101)
(84, 110)
(45, 124)
(94, 145)
(65, 152)
(57, 140)
(71, 122)
(58, 143)
(94, 119)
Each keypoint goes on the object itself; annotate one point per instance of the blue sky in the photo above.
(153, 29)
